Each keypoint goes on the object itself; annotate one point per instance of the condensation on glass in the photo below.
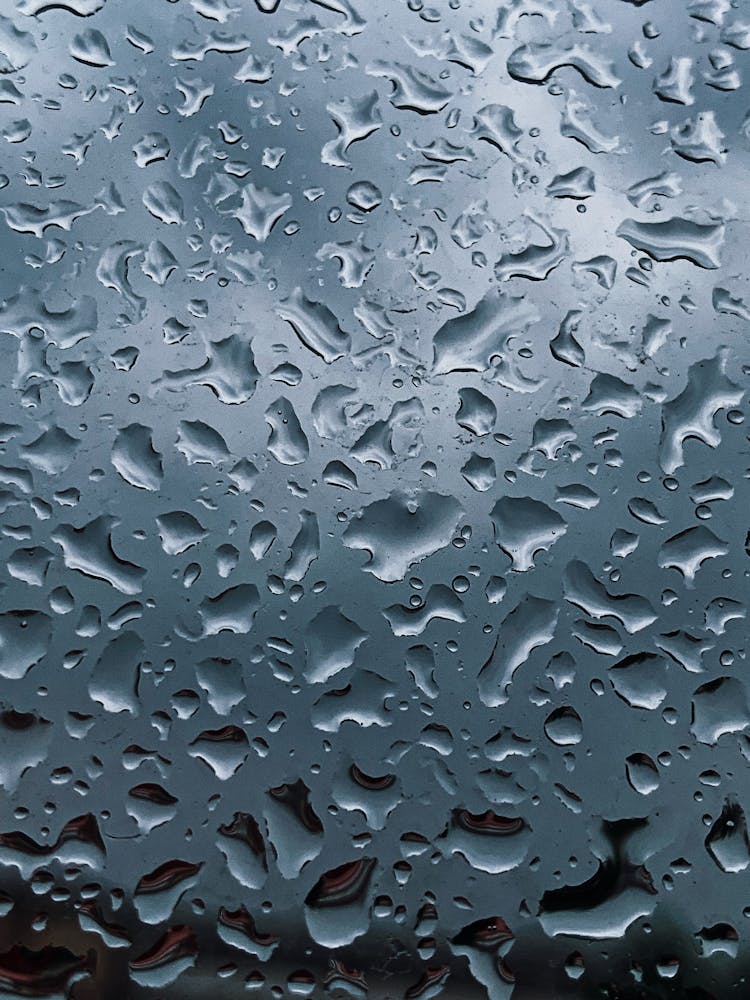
(374, 499)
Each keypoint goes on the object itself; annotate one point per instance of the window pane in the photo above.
(374, 497)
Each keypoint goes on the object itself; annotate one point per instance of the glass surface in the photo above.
(374, 499)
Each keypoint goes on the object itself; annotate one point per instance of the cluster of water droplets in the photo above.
(373, 480)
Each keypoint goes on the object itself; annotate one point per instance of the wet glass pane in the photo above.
(374, 564)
